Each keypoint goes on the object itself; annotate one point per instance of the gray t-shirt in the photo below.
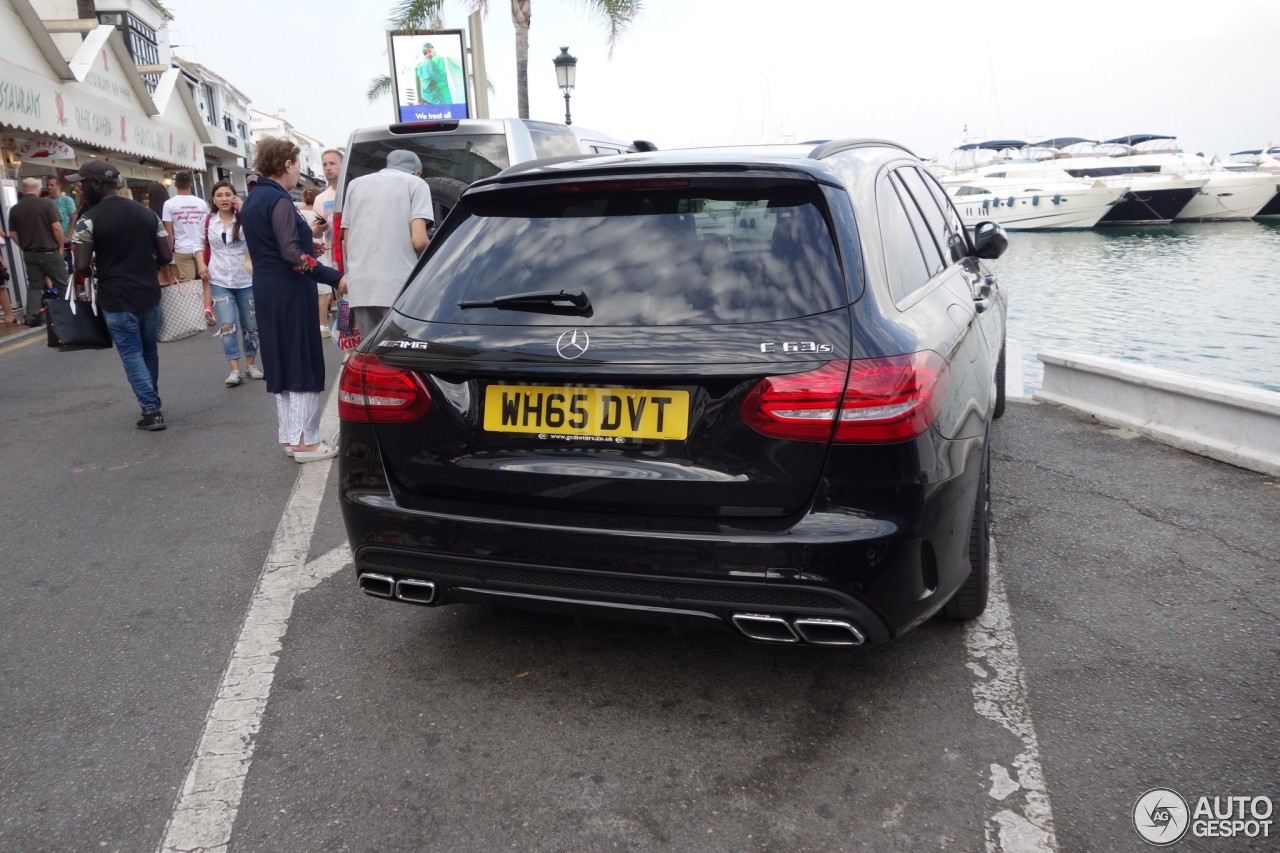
(376, 213)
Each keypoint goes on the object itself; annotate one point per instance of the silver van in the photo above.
(456, 153)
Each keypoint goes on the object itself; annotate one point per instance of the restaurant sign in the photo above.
(72, 111)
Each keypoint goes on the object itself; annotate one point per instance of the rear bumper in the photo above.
(879, 576)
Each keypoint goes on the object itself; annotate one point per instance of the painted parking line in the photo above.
(1021, 819)
(206, 809)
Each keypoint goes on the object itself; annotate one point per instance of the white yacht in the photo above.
(1022, 202)
(1154, 197)
(1146, 196)
(1264, 160)
(1227, 194)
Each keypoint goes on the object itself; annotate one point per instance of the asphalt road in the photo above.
(1139, 649)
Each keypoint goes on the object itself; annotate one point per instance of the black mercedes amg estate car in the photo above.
(739, 388)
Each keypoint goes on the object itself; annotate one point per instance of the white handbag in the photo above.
(181, 311)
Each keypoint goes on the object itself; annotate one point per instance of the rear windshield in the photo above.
(465, 156)
(691, 255)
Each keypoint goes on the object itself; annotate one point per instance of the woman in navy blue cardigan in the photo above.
(284, 296)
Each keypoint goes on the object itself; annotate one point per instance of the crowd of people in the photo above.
(265, 261)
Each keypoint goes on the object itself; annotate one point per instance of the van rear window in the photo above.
(731, 252)
(466, 157)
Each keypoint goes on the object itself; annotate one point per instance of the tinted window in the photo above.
(904, 264)
(928, 245)
(934, 219)
(957, 242)
(467, 157)
(548, 142)
(722, 253)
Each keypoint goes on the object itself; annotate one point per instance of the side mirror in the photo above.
(989, 240)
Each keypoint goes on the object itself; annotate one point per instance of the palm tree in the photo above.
(414, 14)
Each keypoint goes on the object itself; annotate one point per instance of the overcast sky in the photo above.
(711, 72)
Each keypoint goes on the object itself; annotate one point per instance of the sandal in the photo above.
(324, 451)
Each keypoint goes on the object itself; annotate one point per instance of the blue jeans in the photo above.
(134, 334)
(229, 305)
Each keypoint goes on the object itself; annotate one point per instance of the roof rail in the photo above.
(826, 149)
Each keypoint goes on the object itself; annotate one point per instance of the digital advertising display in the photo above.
(428, 76)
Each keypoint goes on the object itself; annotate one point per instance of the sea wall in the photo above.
(1222, 420)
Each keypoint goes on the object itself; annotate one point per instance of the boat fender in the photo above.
(1057, 199)
(1035, 201)
(1010, 202)
(986, 204)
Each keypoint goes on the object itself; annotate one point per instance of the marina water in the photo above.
(1199, 299)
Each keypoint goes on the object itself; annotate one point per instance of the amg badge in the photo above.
(795, 346)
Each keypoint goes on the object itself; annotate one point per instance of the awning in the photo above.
(100, 112)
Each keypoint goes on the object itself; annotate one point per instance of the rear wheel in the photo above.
(999, 410)
(971, 599)
(445, 193)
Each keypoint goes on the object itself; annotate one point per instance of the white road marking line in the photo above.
(1024, 822)
(205, 812)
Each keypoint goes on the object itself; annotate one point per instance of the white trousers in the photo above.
(298, 414)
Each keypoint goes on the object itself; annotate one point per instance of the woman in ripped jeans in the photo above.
(230, 285)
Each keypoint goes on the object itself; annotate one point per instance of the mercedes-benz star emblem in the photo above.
(572, 343)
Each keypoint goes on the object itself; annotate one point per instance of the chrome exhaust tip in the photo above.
(769, 629)
(828, 632)
(415, 591)
(383, 586)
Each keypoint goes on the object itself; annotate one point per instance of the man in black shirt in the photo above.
(124, 243)
(35, 225)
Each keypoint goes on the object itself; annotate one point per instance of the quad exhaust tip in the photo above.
(383, 586)
(415, 591)
(828, 632)
(408, 590)
(813, 630)
(770, 629)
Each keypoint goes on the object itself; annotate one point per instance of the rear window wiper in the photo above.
(542, 301)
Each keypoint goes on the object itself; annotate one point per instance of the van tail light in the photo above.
(863, 400)
(370, 392)
(335, 250)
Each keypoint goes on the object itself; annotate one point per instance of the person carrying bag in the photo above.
(76, 324)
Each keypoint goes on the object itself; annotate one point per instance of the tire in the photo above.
(999, 409)
(445, 193)
(970, 599)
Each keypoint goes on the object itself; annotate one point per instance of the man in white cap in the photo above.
(385, 216)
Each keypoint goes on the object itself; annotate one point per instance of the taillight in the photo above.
(863, 400)
(370, 392)
(339, 262)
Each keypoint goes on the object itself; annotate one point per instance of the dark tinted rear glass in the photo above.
(467, 157)
(733, 252)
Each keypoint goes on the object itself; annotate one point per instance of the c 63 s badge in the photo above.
(795, 346)
(404, 345)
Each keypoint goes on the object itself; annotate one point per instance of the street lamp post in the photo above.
(566, 74)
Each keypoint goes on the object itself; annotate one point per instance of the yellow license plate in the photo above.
(604, 412)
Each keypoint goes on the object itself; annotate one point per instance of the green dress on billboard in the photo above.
(433, 81)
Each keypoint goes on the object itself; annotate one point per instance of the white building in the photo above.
(74, 89)
(277, 124)
(224, 109)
